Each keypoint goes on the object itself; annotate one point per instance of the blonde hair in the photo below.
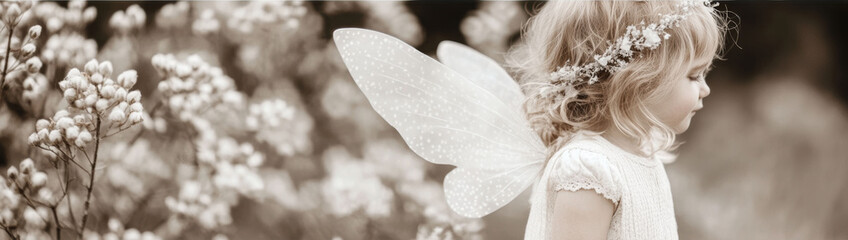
(576, 31)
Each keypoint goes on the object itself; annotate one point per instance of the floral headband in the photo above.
(618, 54)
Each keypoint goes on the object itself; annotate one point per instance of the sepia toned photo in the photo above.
(423, 120)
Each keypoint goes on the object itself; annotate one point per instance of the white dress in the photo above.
(638, 187)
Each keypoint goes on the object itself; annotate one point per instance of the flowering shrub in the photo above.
(197, 120)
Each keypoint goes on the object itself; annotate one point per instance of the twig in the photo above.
(84, 153)
(120, 129)
(6, 60)
(58, 225)
(90, 186)
(9, 232)
(70, 206)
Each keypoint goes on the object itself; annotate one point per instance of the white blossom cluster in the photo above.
(258, 15)
(131, 20)
(394, 161)
(90, 94)
(616, 56)
(353, 185)
(9, 201)
(469, 230)
(135, 168)
(28, 180)
(61, 128)
(441, 222)
(117, 231)
(193, 86)
(275, 123)
(434, 233)
(225, 170)
(196, 201)
(489, 28)
(23, 66)
(20, 65)
(154, 123)
(68, 49)
(235, 165)
(75, 17)
(173, 15)
(394, 18)
(206, 23)
(11, 11)
(269, 113)
(34, 88)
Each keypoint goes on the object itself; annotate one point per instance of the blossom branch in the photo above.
(91, 174)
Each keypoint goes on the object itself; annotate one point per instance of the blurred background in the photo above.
(287, 147)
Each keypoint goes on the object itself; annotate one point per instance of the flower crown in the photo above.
(618, 54)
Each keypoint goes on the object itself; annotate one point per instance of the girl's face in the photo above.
(676, 108)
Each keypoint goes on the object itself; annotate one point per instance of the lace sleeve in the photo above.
(578, 169)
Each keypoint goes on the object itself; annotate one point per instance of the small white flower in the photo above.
(33, 138)
(101, 104)
(12, 14)
(33, 65)
(38, 179)
(65, 122)
(255, 160)
(42, 134)
(120, 93)
(132, 234)
(28, 50)
(107, 91)
(55, 136)
(91, 67)
(32, 218)
(60, 114)
(41, 124)
(85, 135)
(651, 37)
(72, 132)
(96, 78)
(134, 96)
(190, 191)
(127, 79)
(115, 225)
(70, 94)
(90, 100)
(27, 166)
(83, 138)
(105, 68)
(135, 117)
(117, 115)
(12, 173)
(45, 195)
(626, 43)
(34, 32)
(602, 60)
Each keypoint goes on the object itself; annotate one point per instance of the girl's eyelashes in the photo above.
(695, 78)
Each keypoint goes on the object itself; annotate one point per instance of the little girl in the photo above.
(610, 84)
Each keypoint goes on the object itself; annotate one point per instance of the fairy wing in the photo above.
(481, 70)
(446, 119)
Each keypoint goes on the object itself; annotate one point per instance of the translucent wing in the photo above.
(446, 119)
(481, 70)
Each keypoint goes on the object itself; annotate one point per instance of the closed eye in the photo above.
(696, 77)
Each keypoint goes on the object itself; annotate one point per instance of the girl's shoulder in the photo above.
(583, 164)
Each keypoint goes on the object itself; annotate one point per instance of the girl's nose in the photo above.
(705, 89)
